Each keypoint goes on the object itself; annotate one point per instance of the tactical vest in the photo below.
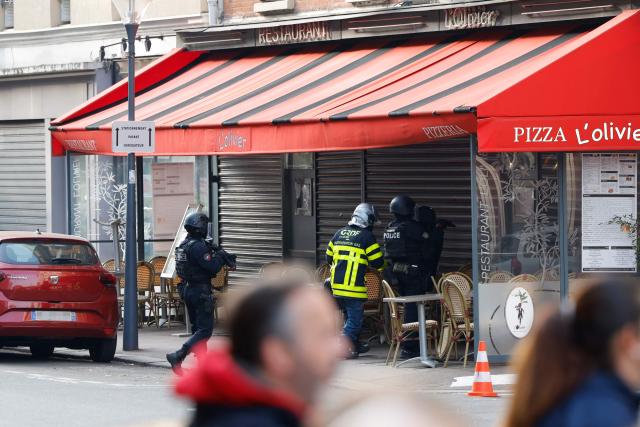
(183, 268)
(399, 245)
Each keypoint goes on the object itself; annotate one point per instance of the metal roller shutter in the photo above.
(22, 176)
(338, 192)
(250, 211)
(436, 174)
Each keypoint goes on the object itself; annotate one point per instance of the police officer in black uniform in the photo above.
(404, 243)
(197, 262)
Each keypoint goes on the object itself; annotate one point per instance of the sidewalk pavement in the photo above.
(367, 373)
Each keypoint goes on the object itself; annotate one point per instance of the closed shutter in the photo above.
(436, 174)
(22, 176)
(250, 211)
(338, 192)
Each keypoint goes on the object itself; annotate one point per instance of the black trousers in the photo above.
(410, 285)
(199, 302)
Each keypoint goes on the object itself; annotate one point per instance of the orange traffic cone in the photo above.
(482, 385)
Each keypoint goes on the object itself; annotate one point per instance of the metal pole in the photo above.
(475, 249)
(130, 339)
(563, 232)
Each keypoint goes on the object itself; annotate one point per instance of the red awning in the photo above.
(583, 96)
(355, 94)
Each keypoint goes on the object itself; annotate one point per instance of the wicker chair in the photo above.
(323, 273)
(110, 266)
(169, 299)
(219, 285)
(459, 317)
(500, 277)
(145, 279)
(461, 280)
(524, 278)
(402, 332)
(373, 313)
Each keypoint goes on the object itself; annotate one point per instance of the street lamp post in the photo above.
(131, 12)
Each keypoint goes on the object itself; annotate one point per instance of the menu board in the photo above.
(609, 189)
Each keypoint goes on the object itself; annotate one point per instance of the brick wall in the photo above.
(234, 9)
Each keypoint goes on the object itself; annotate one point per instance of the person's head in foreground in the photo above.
(582, 365)
(285, 344)
(394, 408)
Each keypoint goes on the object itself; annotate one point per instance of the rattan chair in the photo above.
(524, 278)
(373, 309)
(323, 273)
(500, 277)
(219, 285)
(462, 281)
(145, 279)
(459, 317)
(110, 266)
(169, 299)
(402, 332)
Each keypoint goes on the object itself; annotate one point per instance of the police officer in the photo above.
(351, 250)
(196, 265)
(404, 244)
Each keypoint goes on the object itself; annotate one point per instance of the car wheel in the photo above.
(102, 351)
(41, 351)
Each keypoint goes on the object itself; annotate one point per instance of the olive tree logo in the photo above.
(519, 312)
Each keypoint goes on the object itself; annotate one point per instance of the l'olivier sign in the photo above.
(595, 133)
(605, 132)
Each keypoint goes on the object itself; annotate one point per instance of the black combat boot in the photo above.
(175, 360)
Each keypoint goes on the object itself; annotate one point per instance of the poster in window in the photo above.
(304, 196)
(609, 189)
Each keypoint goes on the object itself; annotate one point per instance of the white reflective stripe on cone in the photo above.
(482, 377)
(482, 357)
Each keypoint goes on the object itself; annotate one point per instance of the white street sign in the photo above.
(133, 137)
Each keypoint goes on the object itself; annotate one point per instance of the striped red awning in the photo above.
(366, 94)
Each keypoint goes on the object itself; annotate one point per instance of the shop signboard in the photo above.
(609, 190)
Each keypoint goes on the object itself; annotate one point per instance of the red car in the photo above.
(55, 293)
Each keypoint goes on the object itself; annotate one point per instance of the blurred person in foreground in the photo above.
(393, 409)
(284, 346)
(582, 366)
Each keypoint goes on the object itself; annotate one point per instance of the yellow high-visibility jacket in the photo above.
(350, 251)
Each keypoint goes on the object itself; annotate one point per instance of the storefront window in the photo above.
(519, 248)
(601, 215)
(171, 184)
(98, 196)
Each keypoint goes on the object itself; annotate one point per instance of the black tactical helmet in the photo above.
(402, 205)
(197, 223)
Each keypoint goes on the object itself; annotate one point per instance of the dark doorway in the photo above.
(300, 215)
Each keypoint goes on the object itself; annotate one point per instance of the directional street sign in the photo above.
(133, 137)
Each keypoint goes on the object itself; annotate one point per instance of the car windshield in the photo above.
(47, 252)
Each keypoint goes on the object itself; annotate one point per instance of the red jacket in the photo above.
(226, 396)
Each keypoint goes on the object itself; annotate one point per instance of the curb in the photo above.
(119, 357)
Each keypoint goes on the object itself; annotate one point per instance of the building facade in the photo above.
(519, 210)
(54, 55)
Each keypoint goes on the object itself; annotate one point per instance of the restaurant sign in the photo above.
(563, 133)
(470, 17)
(297, 33)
